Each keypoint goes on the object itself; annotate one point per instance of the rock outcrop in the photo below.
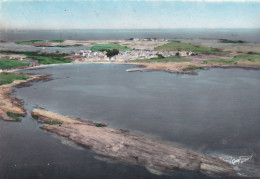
(121, 145)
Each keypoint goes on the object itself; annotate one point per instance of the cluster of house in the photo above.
(185, 53)
(88, 55)
(141, 54)
(122, 56)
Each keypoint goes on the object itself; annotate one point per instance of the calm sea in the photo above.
(214, 112)
(249, 35)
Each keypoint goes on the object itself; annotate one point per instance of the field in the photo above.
(57, 41)
(111, 46)
(38, 41)
(179, 46)
(252, 57)
(28, 42)
(7, 78)
(164, 60)
(61, 46)
(10, 64)
(43, 58)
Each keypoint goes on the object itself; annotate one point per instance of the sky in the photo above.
(128, 14)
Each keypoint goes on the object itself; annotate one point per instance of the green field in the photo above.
(189, 68)
(61, 46)
(43, 58)
(252, 57)
(50, 59)
(37, 41)
(230, 41)
(28, 42)
(103, 47)
(57, 41)
(179, 46)
(164, 60)
(10, 64)
(7, 78)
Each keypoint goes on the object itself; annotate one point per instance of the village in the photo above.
(125, 56)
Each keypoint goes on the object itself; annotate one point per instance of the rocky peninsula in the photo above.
(121, 145)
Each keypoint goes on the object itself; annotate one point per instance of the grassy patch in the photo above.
(164, 60)
(253, 53)
(61, 46)
(49, 59)
(7, 78)
(189, 68)
(38, 41)
(28, 42)
(53, 123)
(43, 58)
(227, 61)
(102, 47)
(14, 115)
(9, 64)
(252, 57)
(230, 41)
(35, 117)
(100, 125)
(57, 41)
(179, 46)
(64, 46)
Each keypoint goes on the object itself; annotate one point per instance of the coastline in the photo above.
(122, 145)
(177, 68)
(173, 67)
(14, 105)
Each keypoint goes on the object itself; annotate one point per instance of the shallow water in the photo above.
(215, 112)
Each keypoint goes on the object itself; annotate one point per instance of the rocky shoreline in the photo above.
(178, 67)
(121, 145)
(14, 105)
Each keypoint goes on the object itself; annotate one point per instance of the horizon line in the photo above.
(14, 29)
